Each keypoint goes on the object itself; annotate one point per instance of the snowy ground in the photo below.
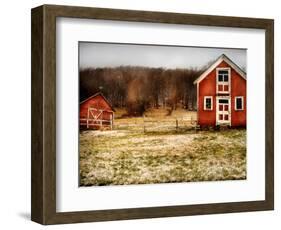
(130, 156)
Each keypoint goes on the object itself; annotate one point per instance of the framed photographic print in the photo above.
(141, 114)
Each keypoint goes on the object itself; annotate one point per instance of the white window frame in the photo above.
(242, 98)
(208, 97)
(223, 83)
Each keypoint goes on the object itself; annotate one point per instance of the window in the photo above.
(223, 80)
(223, 101)
(239, 103)
(208, 103)
(223, 75)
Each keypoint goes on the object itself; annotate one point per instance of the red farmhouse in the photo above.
(96, 112)
(221, 95)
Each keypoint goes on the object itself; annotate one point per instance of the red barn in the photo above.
(96, 112)
(221, 95)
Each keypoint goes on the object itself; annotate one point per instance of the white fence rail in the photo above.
(96, 120)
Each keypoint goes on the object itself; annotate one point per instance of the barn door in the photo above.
(223, 111)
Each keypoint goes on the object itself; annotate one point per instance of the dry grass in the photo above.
(130, 156)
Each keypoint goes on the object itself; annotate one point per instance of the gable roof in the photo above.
(221, 58)
(98, 94)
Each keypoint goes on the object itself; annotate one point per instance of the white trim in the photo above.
(208, 97)
(228, 83)
(217, 110)
(197, 101)
(242, 103)
(216, 63)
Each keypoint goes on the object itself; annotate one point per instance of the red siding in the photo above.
(238, 88)
(207, 87)
(98, 103)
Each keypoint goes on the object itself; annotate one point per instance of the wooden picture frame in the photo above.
(43, 205)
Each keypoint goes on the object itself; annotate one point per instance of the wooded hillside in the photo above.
(139, 88)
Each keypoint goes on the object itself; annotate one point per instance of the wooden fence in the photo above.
(96, 120)
(156, 124)
(176, 124)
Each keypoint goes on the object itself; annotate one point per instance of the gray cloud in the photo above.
(93, 54)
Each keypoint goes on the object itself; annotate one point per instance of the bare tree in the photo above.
(138, 88)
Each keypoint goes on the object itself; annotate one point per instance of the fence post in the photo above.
(111, 122)
(144, 123)
(88, 117)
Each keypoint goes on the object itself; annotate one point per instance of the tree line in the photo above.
(138, 88)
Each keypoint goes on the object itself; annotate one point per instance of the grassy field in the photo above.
(128, 155)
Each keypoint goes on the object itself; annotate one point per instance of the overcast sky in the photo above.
(111, 55)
